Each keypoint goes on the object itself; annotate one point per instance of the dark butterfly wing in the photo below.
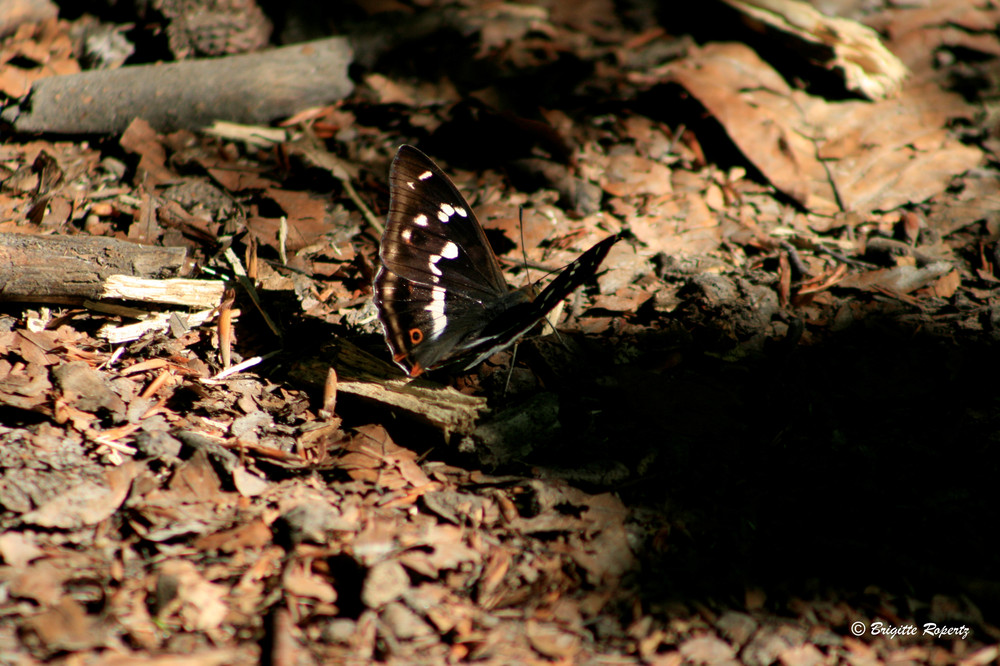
(427, 326)
(432, 236)
(439, 280)
(439, 292)
(520, 318)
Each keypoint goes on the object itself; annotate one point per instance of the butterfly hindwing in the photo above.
(521, 318)
(439, 291)
(424, 325)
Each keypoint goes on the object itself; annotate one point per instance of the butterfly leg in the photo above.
(510, 370)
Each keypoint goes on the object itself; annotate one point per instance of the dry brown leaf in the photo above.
(859, 155)
(981, 657)
(67, 627)
(372, 455)
(919, 32)
(86, 503)
(405, 624)
(494, 573)
(947, 285)
(551, 640)
(209, 657)
(388, 91)
(142, 140)
(678, 224)
(202, 603)
(18, 548)
(806, 654)
(771, 642)
(707, 650)
(629, 175)
(26, 387)
(86, 389)
(899, 280)
(385, 582)
(254, 534)
(300, 581)
(979, 200)
(626, 299)
(438, 548)
(307, 220)
(41, 582)
(375, 541)
(196, 479)
(248, 483)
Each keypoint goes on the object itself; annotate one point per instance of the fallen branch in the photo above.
(249, 88)
(373, 380)
(71, 269)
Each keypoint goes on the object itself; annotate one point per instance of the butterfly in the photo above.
(439, 291)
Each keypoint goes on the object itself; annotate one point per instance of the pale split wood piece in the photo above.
(869, 67)
(71, 269)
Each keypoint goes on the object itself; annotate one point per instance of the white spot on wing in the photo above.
(436, 309)
(420, 220)
(449, 251)
(406, 235)
(426, 175)
(462, 212)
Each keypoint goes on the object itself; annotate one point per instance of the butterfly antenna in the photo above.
(510, 371)
(524, 255)
(524, 258)
(520, 230)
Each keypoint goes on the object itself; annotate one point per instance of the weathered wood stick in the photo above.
(69, 269)
(248, 88)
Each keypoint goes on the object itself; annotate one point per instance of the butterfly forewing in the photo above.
(432, 235)
(438, 277)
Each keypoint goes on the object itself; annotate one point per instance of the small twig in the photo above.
(225, 327)
(283, 240)
(370, 216)
(845, 259)
(239, 367)
(794, 259)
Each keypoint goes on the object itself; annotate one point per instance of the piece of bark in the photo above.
(214, 27)
(869, 68)
(156, 322)
(361, 375)
(250, 88)
(69, 269)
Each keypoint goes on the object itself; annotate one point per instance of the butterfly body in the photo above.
(439, 291)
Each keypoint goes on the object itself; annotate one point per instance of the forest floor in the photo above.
(768, 431)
